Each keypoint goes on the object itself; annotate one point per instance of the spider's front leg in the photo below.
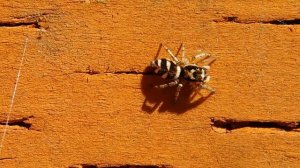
(204, 86)
(212, 90)
(199, 57)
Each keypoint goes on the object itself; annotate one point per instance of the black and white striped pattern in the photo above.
(183, 70)
(195, 73)
(167, 69)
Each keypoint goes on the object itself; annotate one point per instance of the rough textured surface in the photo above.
(84, 99)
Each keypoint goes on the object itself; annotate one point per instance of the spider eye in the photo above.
(197, 75)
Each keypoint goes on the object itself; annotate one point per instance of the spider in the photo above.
(185, 69)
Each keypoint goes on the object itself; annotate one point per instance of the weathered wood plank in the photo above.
(93, 122)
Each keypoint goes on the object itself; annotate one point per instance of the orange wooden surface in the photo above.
(64, 116)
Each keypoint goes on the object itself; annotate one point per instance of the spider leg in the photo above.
(209, 61)
(184, 60)
(158, 51)
(179, 49)
(173, 83)
(208, 88)
(178, 91)
(172, 55)
(200, 57)
(197, 90)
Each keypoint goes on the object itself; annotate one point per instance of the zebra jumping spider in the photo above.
(183, 69)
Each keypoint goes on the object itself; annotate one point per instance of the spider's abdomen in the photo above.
(167, 69)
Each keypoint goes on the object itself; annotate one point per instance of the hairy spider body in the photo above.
(177, 70)
(168, 69)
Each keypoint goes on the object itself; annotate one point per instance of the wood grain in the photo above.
(85, 99)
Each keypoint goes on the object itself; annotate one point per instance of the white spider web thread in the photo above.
(13, 96)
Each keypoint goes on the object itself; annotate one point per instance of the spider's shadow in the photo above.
(163, 99)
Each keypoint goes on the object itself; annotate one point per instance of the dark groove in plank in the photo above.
(232, 124)
(118, 166)
(235, 19)
(23, 122)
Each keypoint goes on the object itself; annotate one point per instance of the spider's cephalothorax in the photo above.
(195, 73)
(184, 69)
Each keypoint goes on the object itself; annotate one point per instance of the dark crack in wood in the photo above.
(22, 122)
(235, 19)
(34, 21)
(118, 166)
(232, 124)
